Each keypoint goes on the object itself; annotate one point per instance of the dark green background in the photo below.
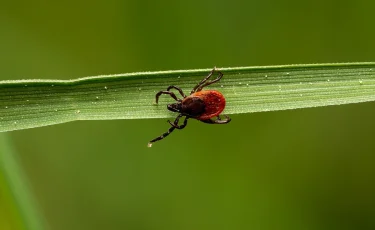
(300, 169)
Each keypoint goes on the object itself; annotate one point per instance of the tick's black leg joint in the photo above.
(161, 137)
(165, 92)
(175, 123)
(211, 82)
(178, 89)
(205, 81)
(218, 120)
(174, 126)
(226, 120)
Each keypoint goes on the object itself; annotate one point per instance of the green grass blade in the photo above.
(33, 103)
(15, 186)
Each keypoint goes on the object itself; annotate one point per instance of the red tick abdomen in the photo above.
(214, 103)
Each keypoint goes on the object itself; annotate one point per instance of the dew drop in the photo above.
(328, 80)
(97, 97)
(266, 76)
(360, 81)
(221, 86)
(247, 84)
(15, 122)
(105, 87)
(139, 89)
(52, 85)
(78, 111)
(287, 73)
(179, 77)
(6, 107)
(240, 83)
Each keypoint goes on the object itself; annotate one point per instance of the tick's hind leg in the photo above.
(218, 120)
(205, 81)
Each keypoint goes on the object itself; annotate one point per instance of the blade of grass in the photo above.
(15, 186)
(9, 217)
(33, 103)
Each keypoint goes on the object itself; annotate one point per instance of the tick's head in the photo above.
(175, 107)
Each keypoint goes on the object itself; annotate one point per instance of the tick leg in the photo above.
(162, 136)
(174, 126)
(205, 81)
(170, 93)
(175, 123)
(218, 121)
(166, 92)
(178, 89)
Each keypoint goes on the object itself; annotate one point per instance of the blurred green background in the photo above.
(300, 169)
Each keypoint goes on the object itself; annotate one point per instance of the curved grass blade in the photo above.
(24, 208)
(33, 103)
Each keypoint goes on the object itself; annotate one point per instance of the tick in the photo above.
(202, 105)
